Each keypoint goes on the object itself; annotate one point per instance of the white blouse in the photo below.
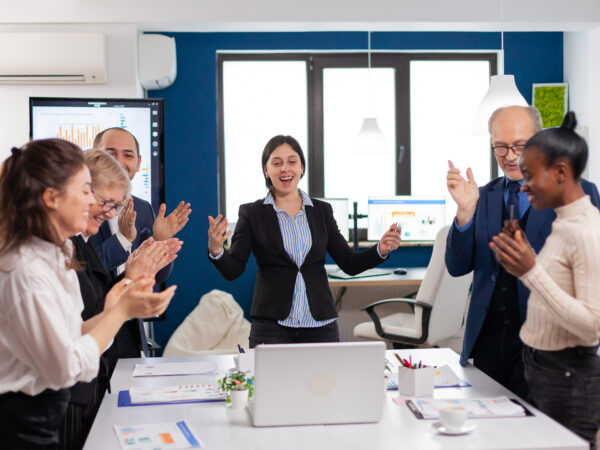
(41, 345)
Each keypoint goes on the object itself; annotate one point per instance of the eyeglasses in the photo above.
(109, 205)
(502, 150)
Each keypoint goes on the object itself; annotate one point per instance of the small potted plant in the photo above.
(238, 387)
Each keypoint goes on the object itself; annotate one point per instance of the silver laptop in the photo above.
(304, 384)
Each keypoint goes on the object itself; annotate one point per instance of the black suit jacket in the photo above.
(257, 230)
(109, 249)
(94, 283)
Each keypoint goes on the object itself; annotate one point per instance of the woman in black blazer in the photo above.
(289, 234)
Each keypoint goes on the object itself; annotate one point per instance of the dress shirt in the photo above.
(297, 242)
(523, 205)
(114, 229)
(41, 345)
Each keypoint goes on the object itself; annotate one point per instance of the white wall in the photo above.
(581, 72)
(121, 42)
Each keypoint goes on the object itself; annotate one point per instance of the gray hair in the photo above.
(534, 115)
(106, 172)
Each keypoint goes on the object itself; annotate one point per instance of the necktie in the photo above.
(513, 198)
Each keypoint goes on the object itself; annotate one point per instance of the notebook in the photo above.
(326, 383)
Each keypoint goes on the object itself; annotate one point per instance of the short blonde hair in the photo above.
(106, 172)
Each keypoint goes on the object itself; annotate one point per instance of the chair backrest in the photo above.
(447, 295)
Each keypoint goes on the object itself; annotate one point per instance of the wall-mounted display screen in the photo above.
(79, 120)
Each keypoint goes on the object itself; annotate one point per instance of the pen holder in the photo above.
(415, 382)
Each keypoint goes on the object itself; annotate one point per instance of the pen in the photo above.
(512, 213)
(241, 349)
(398, 358)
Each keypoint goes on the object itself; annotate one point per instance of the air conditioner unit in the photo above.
(52, 58)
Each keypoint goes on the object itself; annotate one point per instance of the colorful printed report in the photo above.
(175, 368)
(157, 436)
(176, 394)
(427, 408)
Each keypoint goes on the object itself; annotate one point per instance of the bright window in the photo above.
(261, 99)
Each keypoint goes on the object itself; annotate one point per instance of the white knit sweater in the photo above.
(564, 306)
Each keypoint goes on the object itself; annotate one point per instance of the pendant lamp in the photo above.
(502, 91)
(370, 137)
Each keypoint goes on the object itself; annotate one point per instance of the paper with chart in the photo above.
(175, 435)
(476, 407)
(174, 368)
(176, 394)
(376, 272)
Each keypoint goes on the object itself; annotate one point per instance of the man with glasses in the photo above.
(120, 236)
(498, 300)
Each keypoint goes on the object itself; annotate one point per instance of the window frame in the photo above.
(316, 62)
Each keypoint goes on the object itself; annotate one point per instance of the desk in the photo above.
(351, 295)
(222, 428)
(413, 277)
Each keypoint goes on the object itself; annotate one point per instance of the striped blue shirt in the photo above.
(297, 242)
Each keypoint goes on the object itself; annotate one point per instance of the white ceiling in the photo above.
(311, 15)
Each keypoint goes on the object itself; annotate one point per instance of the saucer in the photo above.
(438, 427)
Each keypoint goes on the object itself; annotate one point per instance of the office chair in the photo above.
(438, 310)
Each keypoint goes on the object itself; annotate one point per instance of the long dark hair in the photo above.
(562, 143)
(275, 142)
(24, 176)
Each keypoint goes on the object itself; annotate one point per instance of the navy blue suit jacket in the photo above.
(470, 250)
(111, 252)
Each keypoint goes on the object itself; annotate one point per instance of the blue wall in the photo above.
(191, 132)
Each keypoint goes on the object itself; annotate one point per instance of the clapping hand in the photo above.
(464, 192)
(217, 233)
(390, 240)
(513, 252)
(127, 221)
(137, 299)
(167, 227)
(149, 258)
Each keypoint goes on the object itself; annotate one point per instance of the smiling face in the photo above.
(540, 182)
(512, 126)
(97, 216)
(122, 147)
(284, 168)
(69, 210)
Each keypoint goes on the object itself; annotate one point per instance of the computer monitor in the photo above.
(340, 214)
(79, 120)
(420, 217)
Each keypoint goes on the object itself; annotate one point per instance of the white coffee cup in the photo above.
(453, 417)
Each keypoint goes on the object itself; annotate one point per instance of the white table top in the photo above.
(413, 276)
(222, 428)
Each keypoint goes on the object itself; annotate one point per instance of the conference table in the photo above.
(220, 427)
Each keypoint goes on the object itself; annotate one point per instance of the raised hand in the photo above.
(166, 227)
(465, 193)
(390, 240)
(217, 233)
(127, 221)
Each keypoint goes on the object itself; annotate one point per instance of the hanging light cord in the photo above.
(369, 49)
(502, 25)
